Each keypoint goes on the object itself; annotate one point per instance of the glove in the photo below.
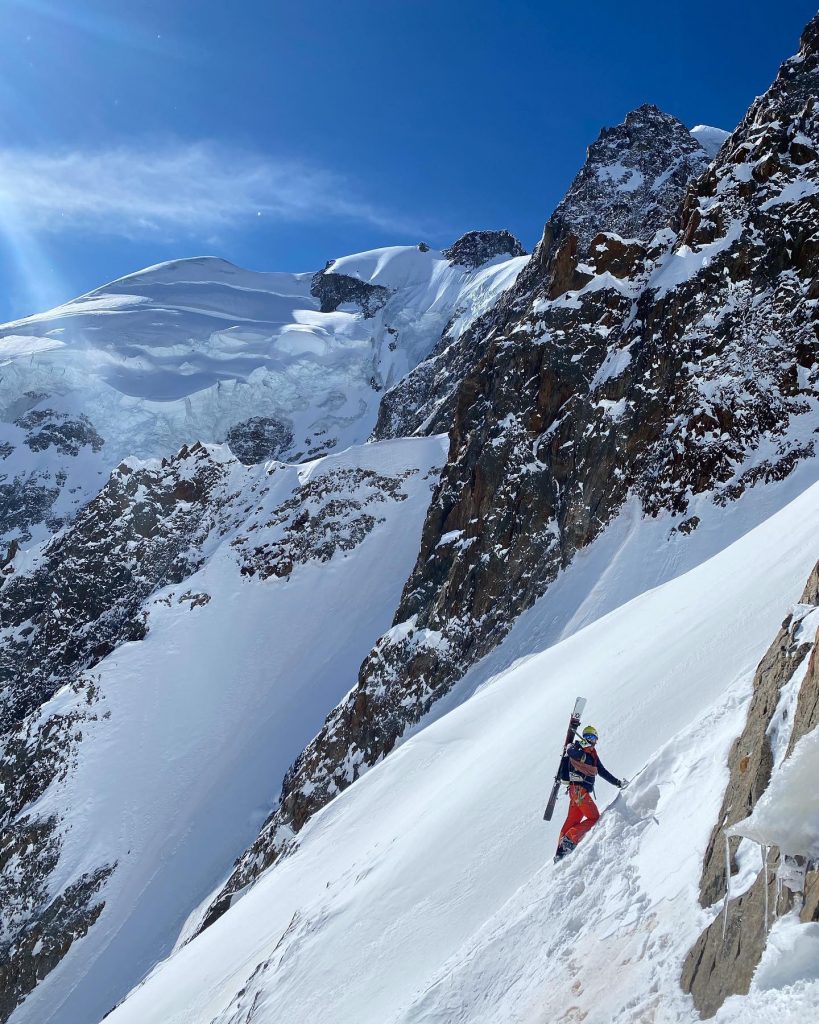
(622, 783)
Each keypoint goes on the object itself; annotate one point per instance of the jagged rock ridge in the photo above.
(633, 181)
(631, 184)
(478, 247)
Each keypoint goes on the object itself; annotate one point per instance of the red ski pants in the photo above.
(582, 814)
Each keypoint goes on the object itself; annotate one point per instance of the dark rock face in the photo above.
(133, 538)
(81, 601)
(27, 959)
(27, 498)
(315, 522)
(616, 367)
(478, 247)
(258, 439)
(718, 965)
(632, 183)
(334, 290)
(68, 435)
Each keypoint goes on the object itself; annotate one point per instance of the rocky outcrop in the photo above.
(46, 428)
(334, 290)
(478, 247)
(723, 959)
(329, 514)
(26, 500)
(632, 184)
(29, 494)
(626, 362)
(258, 439)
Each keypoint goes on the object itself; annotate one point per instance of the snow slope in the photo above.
(196, 349)
(426, 893)
(194, 727)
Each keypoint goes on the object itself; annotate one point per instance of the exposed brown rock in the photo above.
(611, 254)
(721, 965)
(564, 275)
(723, 959)
(810, 907)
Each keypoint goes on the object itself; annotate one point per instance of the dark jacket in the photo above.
(582, 765)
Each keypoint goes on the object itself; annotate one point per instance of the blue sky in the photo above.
(280, 135)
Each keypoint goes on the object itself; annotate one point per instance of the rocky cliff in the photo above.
(724, 958)
(673, 365)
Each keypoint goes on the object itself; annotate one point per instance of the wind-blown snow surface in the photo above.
(426, 892)
(197, 723)
(185, 351)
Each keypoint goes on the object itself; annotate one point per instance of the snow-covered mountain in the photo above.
(287, 366)
(145, 776)
(304, 572)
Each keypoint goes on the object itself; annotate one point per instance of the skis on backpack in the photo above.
(574, 721)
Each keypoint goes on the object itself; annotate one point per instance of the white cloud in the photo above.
(172, 190)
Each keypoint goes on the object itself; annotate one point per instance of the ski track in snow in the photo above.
(438, 856)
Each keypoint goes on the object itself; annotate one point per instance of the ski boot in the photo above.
(564, 846)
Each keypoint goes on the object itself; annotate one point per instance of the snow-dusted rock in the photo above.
(478, 247)
(631, 184)
(162, 662)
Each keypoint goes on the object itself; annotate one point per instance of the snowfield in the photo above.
(426, 892)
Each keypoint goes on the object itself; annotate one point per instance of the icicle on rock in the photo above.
(727, 885)
(765, 880)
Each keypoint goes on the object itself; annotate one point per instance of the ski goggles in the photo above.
(590, 737)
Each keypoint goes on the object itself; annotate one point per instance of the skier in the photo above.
(580, 767)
